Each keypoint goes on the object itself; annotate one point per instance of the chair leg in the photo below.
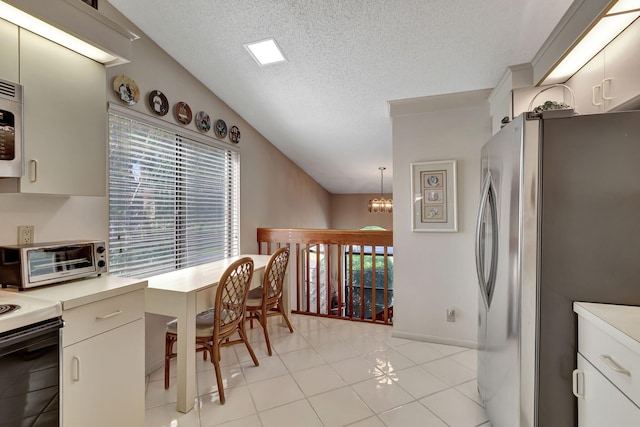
(284, 314)
(263, 322)
(168, 350)
(243, 335)
(216, 365)
(286, 319)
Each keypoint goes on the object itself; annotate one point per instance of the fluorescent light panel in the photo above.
(266, 52)
(35, 25)
(619, 17)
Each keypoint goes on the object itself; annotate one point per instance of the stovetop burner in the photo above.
(18, 310)
(8, 308)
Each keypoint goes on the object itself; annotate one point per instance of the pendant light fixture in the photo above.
(381, 205)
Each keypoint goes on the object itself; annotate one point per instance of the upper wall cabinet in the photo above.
(501, 99)
(64, 120)
(515, 92)
(9, 51)
(610, 79)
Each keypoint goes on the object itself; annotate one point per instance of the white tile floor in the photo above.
(329, 373)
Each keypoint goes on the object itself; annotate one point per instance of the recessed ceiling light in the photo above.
(266, 52)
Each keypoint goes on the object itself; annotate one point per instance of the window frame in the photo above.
(225, 156)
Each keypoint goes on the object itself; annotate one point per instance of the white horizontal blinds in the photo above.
(172, 200)
(209, 221)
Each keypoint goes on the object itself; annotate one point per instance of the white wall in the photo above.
(434, 271)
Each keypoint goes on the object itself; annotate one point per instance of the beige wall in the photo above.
(435, 271)
(350, 212)
(274, 191)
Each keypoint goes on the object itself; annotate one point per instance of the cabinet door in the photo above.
(602, 403)
(587, 86)
(65, 119)
(9, 51)
(103, 379)
(622, 67)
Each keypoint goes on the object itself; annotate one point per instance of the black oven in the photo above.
(30, 375)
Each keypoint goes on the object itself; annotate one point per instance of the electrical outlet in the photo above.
(451, 315)
(26, 234)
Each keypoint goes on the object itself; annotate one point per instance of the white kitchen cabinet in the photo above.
(65, 120)
(103, 346)
(622, 67)
(587, 86)
(503, 97)
(607, 379)
(600, 403)
(9, 51)
(515, 92)
(103, 362)
(610, 79)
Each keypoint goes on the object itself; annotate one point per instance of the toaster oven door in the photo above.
(49, 265)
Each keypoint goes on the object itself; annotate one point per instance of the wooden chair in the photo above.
(215, 327)
(266, 300)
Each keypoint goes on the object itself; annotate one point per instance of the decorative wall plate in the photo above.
(126, 89)
(158, 102)
(220, 128)
(183, 114)
(234, 134)
(203, 122)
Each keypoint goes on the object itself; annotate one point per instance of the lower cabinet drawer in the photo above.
(615, 361)
(600, 403)
(95, 318)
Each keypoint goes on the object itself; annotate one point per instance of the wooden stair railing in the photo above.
(328, 271)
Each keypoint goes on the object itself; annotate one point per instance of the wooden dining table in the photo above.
(184, 293)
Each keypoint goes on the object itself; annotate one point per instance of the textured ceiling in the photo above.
(326, 108)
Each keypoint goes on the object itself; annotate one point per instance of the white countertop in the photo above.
(194, 278)
(84, 291)
(32, 310)
(622, 322)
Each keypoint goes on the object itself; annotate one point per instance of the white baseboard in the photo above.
(434, 339)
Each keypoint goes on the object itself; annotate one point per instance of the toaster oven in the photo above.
(37, 264)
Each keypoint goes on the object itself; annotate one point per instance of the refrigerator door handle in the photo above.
(488, 198)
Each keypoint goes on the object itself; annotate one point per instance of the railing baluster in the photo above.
(362, 307)
(328, 258)
(339, 284)
(374, 289)
(318, 279)
(298, 275)
(307, 282)
(350, 281)
(386, 285)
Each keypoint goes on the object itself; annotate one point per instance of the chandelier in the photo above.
(381, 205)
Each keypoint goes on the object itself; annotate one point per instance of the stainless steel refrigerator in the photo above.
(558, 221)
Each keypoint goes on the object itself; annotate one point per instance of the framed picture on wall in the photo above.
(434, 196)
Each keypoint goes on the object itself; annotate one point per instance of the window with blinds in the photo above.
(173, 201)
